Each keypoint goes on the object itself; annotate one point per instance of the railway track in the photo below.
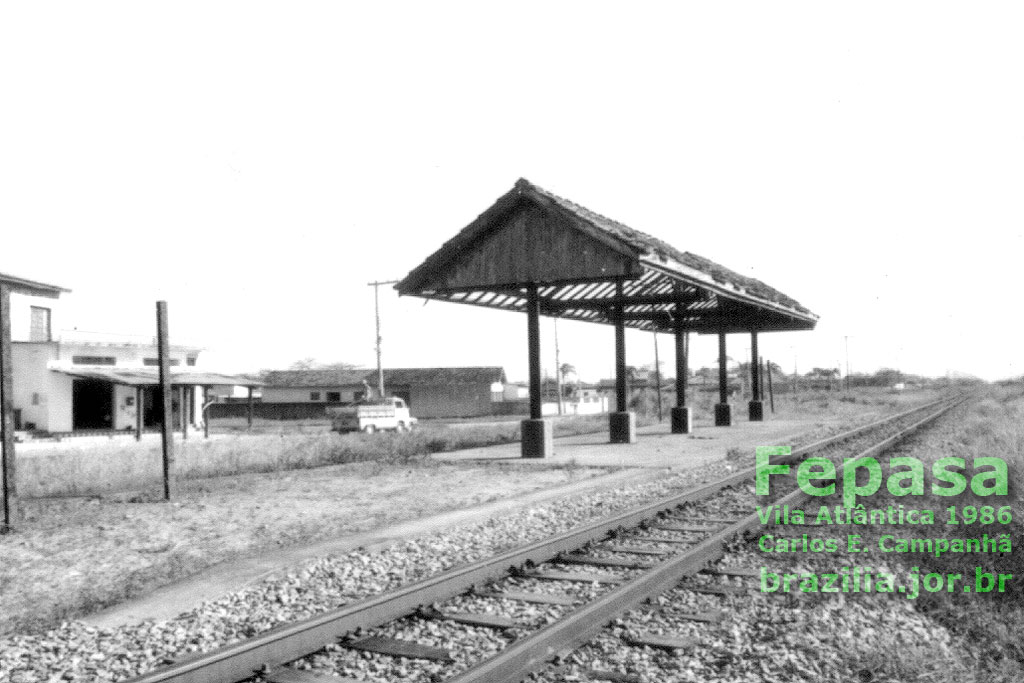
(574, 584)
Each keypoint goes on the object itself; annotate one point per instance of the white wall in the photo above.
(31, 378)
(61, 408)
(21, 315)
(125, 355)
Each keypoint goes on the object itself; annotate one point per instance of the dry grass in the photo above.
(74, 555)
(988, 624)
(121, 464)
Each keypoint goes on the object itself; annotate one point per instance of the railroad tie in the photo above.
(655, 539)
(711, 616)
(467, 618)
(584, 577)
(580, 558)
(693, 528)
(525, 596)
(288, 675)
(660, 642)
(746, 572)
(400, 648)
(636, 550)
(718, 589)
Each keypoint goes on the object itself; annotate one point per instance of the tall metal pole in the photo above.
(166, 424)
(10, 500)
(376, 311)
(558, 368)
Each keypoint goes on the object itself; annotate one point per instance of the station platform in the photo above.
(656, 446)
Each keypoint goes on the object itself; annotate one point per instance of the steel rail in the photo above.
(286, 643)
(520, 659)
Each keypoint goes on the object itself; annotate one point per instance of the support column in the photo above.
(537, 434)
(681, 415)
(139, 414)
(622, 423)
(183, 411)
(248, 401)
(7, 482)
(756, 406)
(723, 411)
(206, 412)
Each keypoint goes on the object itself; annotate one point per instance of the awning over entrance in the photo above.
(141, 377)
(576, 257)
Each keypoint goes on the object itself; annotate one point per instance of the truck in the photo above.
(372, 416)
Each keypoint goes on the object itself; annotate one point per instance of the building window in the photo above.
(40, 330)
(156, 361)
(190, 360)
(94, 360)
(314, 396)
(334, 396)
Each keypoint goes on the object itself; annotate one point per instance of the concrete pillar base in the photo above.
(682, 420)
(622, 427)
(723, 415)
(756, 409)
(537, 438)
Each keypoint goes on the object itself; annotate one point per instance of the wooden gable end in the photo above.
(533, 243)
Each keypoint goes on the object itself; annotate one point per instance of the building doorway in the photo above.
(153, 409)
(92, 404)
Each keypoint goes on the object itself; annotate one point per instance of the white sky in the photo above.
(256, 164)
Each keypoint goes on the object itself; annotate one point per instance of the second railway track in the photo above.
(560, 592)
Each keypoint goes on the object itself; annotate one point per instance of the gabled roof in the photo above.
(659, 251)
(441, 376)
(23, 286)
(574, 256)
(325, 377)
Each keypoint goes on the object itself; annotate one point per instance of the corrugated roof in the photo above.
(151, 376)
(441, 376)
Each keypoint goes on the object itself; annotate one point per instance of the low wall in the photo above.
(271, 411)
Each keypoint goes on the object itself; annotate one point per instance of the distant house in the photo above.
(331, 385)
(430, 392)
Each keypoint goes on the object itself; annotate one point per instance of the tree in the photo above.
(313, 364)
(564, 370)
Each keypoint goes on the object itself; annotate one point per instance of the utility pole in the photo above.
(376, 311)
(846, 341)
(657, 375)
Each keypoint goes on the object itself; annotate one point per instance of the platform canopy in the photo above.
(581, 262)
